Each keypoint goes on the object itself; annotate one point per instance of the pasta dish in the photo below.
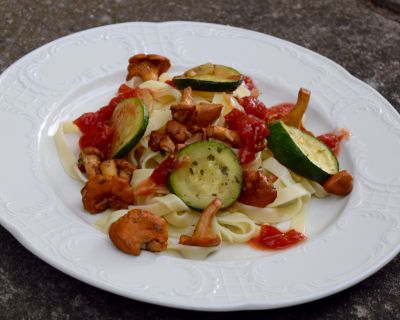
(189, 162)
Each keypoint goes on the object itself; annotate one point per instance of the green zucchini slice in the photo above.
(209, 77)
(129, 119)
(213, 172)
(302, 153)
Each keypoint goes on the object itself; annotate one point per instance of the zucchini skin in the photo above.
(219, 78)
(122, 151)
(205, 85)
(225, 174)
(287, 152)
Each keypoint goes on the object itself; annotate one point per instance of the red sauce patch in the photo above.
(278, 111)
(271, 238)
(161, 173)
(171, 83)
(249, 83)
(333, 139)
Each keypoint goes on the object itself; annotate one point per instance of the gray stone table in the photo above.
(362, 36)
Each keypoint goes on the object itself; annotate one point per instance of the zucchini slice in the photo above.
(129, 119)
(302, 153)
(209, 77)
(213, 172)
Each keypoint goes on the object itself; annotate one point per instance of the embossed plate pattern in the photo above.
(349, 238)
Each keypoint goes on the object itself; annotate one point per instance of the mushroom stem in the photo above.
(295, 116)
(186, 97)
(223, 134)
(202, 235)
(108, 169)
(125, 169)
(90, 159)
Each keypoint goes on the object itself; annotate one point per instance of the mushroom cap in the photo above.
(158, 62)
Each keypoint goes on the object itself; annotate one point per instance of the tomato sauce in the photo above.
(249, 83)
(278, 111)
(97, 130)
(252, 130)
(271, 238)
(333, 139)
(254, 106)
(170, 83)
(161, 173)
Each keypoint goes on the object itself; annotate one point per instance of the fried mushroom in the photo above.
(101, 193)
(224, 134)
(160, 140)
(258, 189)
(89, 161)
(177, 131)
(202, 235)
(109, 187)
(139, 229)
(340, 184)
(207, 113)
(185, 109)
(147, 66)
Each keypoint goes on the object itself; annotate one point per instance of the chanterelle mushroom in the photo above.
(194, 115)
(100, 193)
(147, 66)
(295, 116)
(258, 189)
(139, 229)
(202, 235)
(224, 134)
(89, 161)
(108, 184)
(340, 184)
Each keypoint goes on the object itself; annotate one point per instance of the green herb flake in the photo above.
(194, 163)
(191, 170)
(237, 180)
(224, 170)
(201, 171)
(214, 194)
(219, 149)
(211, 157)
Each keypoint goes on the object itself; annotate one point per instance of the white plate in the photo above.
(349, 238)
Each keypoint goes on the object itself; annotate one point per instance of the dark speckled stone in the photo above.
(362, 36)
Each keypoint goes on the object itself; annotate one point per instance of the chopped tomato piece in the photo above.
(271, 237)
(257, 108)
(254, 106)
(333, 139)
(123, 88)
(252, 130)
(161, 173)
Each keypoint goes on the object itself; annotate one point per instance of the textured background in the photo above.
(362, 36)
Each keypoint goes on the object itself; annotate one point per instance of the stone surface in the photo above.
(362, 36)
